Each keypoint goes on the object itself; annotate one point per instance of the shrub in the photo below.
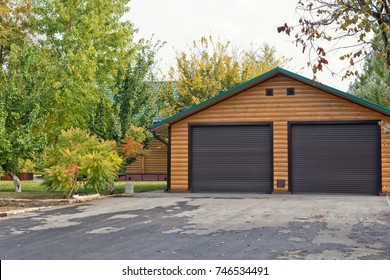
(79, 158)
(60, 177)
(134, 143)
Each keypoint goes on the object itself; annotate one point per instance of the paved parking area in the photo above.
(198, 226)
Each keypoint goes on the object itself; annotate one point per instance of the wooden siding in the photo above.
(153, 162)
(308, 104)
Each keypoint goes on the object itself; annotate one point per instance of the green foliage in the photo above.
(100, 168)
(59, 69)
(59, 177)
(104, 120)
(134, 102)
(91, 35)
(89, 41)
(339, 22)
(135, 95)
(21, 103)
(14, 26)
(140, 135)
(27, 165)
(374, 83)
(210, 67)
(134, 143)
(79, 155)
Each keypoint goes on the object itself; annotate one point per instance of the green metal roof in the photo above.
(265, 76)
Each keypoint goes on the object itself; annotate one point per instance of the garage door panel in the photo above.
(231, 158)
(239, 177)
(335, 158)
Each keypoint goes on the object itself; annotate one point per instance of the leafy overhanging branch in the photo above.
(336, 20)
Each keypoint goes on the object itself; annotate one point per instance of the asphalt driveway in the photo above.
(198, 226)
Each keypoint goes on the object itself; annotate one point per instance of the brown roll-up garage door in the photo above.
(230, 158)
(335, 157)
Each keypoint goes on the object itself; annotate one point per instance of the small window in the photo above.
(269, 92)
(291, 91)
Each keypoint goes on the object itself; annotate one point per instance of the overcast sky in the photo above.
(179, 22)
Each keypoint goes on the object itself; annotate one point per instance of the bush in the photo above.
(134, 142)
(79, 158)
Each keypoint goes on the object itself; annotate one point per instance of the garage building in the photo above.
(279, 133)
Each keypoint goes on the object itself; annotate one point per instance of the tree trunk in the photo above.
(17, 184)
(110, 188)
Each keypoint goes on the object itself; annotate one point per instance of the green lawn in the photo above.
(33, 189)
(141, 186)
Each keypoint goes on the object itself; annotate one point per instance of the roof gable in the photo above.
(258, 80)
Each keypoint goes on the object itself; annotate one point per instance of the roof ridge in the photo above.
(265, 76)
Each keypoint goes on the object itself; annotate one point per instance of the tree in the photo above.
(104, 120)
(80, 159)
(124, 115)
(136, 97)
(14, 26)
(210, 67)
(22, 86)
(374, 83)
(59, 68)
(348, 25)
(90, 42)
(134, 142)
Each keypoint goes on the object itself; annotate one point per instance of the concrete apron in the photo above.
(335, 221)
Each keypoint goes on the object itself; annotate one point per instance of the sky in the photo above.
(243, 22)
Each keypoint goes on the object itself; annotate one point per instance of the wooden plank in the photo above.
(309, 104)
(153, 162)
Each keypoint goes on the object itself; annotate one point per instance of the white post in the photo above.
(129, 188)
